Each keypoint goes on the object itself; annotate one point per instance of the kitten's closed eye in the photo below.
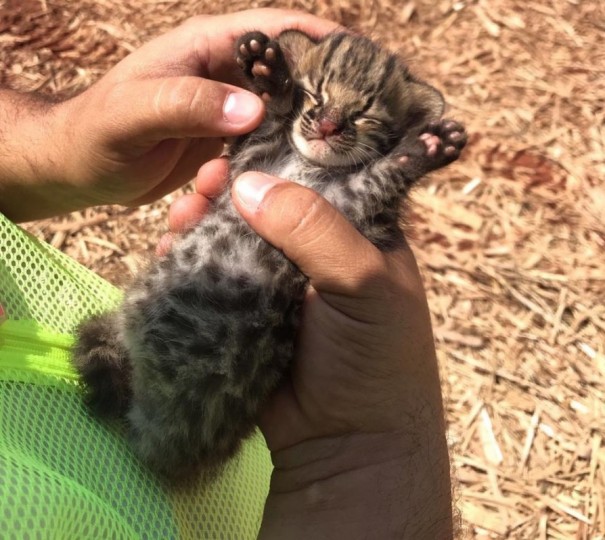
(369, 121)
(315, 98)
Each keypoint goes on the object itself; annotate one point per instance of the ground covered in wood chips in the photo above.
(510, 240)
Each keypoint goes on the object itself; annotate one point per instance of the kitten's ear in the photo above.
(294, 45)
(425, 104)
(430, 98)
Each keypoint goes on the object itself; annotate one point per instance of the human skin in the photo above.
(356, 432)
(143, 129)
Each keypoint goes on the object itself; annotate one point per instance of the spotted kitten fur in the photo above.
(206, 334)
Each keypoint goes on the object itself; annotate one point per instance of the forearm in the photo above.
(32, 183)
(362, 486)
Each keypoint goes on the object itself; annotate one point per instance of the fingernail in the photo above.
(241, 107)
(252, 187)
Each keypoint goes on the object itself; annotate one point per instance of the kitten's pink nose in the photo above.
(328, 128)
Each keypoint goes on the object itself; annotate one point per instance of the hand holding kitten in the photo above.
(356, 430)
(143, 129)
(359, 410)
(347, 414)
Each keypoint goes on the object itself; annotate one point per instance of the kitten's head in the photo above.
(355, 100)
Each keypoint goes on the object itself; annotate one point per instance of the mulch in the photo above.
(510, 239)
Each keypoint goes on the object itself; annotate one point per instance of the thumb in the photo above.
(311, 233)
(178, 107)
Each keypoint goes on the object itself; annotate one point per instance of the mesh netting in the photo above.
(64, 474)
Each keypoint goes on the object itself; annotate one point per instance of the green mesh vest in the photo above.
(63, 473)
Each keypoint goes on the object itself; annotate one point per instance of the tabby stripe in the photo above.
(320, 85)
(331, 75)
(380, 139)
(388, 71)
(369, 61)
(330, 52)
(367, 106)
(347, 58)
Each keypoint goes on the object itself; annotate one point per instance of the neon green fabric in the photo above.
(63, 473)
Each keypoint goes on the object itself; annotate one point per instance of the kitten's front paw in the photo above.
(444, 140)
(263, 63)
(439, 144)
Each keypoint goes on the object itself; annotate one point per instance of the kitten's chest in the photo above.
(293, 168)
(343, 189)
(348, 189)
(367, 197)
(331, 183)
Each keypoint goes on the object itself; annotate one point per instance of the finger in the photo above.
(164, 245)
(158, 109)
(212, 178)
(203, 45)
(311, 233)
(181, 172)
(217, 36)
(186, 212)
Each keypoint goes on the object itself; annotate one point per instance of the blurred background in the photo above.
(510, 240)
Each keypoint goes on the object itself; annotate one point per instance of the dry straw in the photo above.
(510, 240)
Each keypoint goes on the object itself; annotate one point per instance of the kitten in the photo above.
(207, 332)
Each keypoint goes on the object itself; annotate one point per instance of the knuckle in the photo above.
(179, 100)
(196, 101)
(313, 218)
(115, 94)
(316, 228)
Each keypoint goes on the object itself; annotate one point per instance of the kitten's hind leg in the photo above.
(436, 146)
(264, 64)
(102, 361)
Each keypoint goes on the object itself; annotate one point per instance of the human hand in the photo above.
(365, 350)
(143, 129)
(359, 419)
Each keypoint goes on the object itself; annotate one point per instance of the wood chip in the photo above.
(509, 239)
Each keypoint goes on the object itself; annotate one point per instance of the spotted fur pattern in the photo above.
(206, 334)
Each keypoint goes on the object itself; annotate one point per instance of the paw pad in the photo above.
(263, 63)
(438, 144)
(444, 139)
